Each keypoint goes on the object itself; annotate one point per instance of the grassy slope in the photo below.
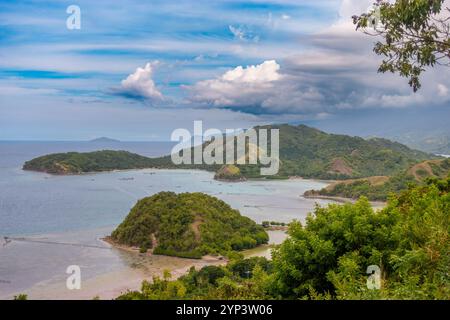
(379, 188)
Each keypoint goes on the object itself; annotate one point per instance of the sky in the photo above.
(137, 70)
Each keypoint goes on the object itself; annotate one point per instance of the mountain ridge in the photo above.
(304, 151)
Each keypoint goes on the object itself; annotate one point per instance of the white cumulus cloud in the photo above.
(241, 86)
(140, 84)
(264, 72)
(258, 89)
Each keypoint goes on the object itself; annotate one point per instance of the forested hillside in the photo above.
(187, 225)
(328, 256)
(304, 151)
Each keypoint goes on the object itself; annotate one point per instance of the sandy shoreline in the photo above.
(112, 284)
(139, 267)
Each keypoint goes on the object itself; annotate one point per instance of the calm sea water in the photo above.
(49, 212)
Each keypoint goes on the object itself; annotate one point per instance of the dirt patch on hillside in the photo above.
(423, 167)
(340, 166)
(373, 181)
(196, 228)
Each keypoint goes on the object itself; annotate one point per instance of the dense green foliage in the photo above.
(328, 257)
(304, 151)
(311, 153)
(394, 184)
(408, 240)
(76, 163)
(413, 36)
(240, 279)
(187, 225)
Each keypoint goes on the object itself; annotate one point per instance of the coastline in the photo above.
(110, 285)
(146, 266)
(375, 204)
(139, 267)
(149, 253)
(244, 179)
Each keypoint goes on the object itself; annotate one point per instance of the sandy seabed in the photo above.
(110, 285)
(139, 267)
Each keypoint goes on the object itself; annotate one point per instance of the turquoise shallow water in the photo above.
(82, 209)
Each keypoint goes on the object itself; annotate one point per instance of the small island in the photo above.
(104, 140)
(188, 225)
(78, 163)
(229, 172)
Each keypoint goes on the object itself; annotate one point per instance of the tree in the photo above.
(330, 256)
(415, 35)
(408, 240)
(21, 297)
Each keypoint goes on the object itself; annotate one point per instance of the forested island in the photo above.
(328, 256)
(78, 163)
(188, 225)
(304, 152)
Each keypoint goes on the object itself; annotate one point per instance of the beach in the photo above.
(139, 267)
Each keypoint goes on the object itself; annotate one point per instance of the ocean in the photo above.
(57, 221)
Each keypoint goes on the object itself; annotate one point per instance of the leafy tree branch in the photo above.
(414, 34)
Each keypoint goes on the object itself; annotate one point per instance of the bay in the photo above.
(57, 221)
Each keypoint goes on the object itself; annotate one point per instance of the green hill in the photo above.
(187, 225)
(379, 188)
(76, 163)
(304, 151)
(311, 153)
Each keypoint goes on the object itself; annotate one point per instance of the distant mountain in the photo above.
(437, 142)
(426, 129)
(104, 139)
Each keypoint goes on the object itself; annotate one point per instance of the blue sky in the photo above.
(136, 70)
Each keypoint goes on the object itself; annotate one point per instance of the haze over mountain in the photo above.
(425, 129)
